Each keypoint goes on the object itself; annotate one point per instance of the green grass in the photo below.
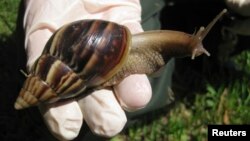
(227, 103)
(8, 15)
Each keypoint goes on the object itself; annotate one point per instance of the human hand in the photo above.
(103, 109)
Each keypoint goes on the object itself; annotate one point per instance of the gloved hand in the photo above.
(103, 109)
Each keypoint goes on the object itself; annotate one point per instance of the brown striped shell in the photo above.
(79, 55)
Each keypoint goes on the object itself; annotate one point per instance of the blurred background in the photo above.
(208, 90)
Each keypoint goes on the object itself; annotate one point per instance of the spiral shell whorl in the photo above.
(49, 81)
(32, 92)
(78, 56)
(94, 49)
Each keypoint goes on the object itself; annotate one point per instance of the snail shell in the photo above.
(79, 55)
(90, 54)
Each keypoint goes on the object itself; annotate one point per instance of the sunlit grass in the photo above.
(8, 15)
(226, 105)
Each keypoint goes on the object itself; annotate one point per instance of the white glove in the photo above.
(102, 110)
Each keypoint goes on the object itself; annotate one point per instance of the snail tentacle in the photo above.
(201, 34)
(212, 23)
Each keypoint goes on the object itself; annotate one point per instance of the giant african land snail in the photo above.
(92, 54)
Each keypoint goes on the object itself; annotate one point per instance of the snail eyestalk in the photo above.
(202, 33)
(211, 24)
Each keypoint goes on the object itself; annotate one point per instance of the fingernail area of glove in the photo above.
(134, 92)
(109, 127)
(69, 130)
(72, 127)
(103, 113)
(64, 121)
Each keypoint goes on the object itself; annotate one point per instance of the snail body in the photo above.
(91, 54)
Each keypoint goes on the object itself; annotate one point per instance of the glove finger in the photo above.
(64, 120)
(134, 92)
(103, 113)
